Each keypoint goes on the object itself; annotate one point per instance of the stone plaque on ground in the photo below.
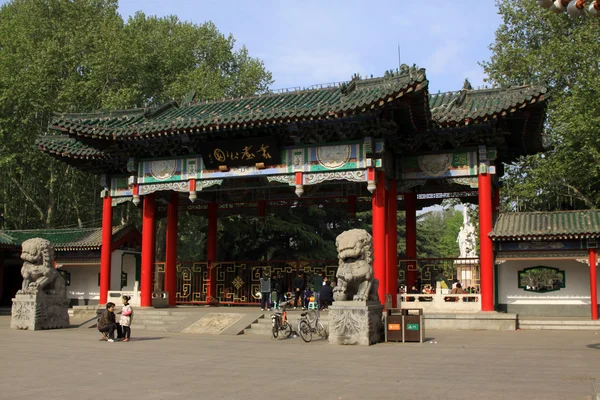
(213, 323)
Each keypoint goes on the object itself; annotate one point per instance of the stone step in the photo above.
(263, 326)
(152, 328)
(137, 317)
(575, 325)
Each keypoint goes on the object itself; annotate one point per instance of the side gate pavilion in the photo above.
(381, 143)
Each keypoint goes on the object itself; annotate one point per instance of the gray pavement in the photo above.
(73, 364)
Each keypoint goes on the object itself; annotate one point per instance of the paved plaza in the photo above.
(73, 364)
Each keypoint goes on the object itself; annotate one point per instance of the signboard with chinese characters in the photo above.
(241, 152)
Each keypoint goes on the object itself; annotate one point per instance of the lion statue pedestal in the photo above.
(42, 301)
(356, 314)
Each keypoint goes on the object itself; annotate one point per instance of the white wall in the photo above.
(576, 290)
(84, 282)
(129, 269)
(128, 260)
(84, 278)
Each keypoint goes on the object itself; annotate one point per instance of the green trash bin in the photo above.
(412, 325)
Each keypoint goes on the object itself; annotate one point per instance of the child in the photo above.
(126, 318)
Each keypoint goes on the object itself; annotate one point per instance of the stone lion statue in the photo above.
(355, 271)
(38, 268)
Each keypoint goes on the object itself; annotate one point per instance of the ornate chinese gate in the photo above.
(238, 281)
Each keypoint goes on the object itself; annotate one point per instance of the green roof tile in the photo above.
(63, 145)
(6, 240)
(547, 225)
(468, 105)
(320, 103)
(69, 239)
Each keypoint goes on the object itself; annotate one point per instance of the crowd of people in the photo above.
(457, 288)
(273, 292)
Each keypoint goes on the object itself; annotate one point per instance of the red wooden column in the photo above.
(593, 285)
(171, 251)
(105, 249)
(211, 256)
(262, 205)
(410, 208)
(378, 205)
(391, 235)
(486, 253)
(148, 233)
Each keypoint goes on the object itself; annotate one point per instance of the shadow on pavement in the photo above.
(139, 339)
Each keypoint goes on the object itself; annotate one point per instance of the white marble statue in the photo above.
(466, 237)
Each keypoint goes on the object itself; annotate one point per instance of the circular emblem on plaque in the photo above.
(435, 164)
(332, 157)
(163, 169)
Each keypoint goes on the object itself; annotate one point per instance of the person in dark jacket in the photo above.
(326, 296)
(278, 289)
(108, 324)
(298, 289)
(265, 291)
(317, 283)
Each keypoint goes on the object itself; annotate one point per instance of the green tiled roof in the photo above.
(6, 240)
(547, 225)
(70, 239)
(470, 106)
(66, 146)
(329, 102)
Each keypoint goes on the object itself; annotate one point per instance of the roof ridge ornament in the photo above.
(467, 85)
(155, 111)
(348, 87)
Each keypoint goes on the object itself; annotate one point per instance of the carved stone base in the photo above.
(354, 322)
(36, 310)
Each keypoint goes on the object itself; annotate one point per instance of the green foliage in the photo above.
(437, 232)
(80, 56)
(534, 45)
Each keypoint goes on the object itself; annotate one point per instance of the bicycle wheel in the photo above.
(322, 331)
(305, 332)
(287, 329)
(275, 327)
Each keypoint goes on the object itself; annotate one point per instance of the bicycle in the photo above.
(280, 323)
(309, 323)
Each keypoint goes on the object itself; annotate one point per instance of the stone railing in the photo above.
(441, 302)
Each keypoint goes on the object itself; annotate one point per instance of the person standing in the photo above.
(317, 283)
(126, 318)
(326, 296)
(265, 292)
(298, 289)
(278, 289)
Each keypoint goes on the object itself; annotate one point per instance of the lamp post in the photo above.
(575, 8)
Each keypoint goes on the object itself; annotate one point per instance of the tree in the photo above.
(437, 232)
(535, 46)
(80, 56)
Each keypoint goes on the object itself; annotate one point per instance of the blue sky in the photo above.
(308, 42)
